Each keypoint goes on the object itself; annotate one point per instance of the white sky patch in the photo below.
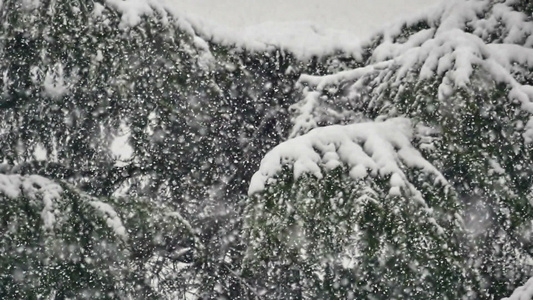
(54, 85)
(120, 147)
(359, 17)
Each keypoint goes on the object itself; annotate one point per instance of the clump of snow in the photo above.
(10, 185)
(524, 292)
(98, 9)
(305, 120)
(112, 218)
(206, 60)
(34, 187)
(120, 147)
(40, 153)
(49, 191)
(366, 149)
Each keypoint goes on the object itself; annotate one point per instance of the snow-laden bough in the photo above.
(365, 149)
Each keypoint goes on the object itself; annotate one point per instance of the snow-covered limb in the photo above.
(34, 187)
(373, 148)
(303, 39)
(304, 119)
(453, 43)
(320, 82)
(333, 216)
(524, 292)
(10, 185)
(112, 218)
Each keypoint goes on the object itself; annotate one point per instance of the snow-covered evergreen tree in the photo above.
(59, 243)
(405, 173)
(78, 74)
(462, 76)
(355, 212)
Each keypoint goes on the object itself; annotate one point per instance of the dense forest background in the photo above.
(399, 171)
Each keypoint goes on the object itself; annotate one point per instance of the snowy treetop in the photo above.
(366, 149)
(35, 187)
(455, 41)
(303, 39)
(458, 41)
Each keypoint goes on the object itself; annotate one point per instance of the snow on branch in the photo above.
(524, 292)
(449, 45)
(111, 217)
(451, 49)
(303, 39)
(34, 187)
(321, 82)
(365, 149)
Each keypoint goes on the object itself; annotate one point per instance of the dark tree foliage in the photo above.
(199, 116)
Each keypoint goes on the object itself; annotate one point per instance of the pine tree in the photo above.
(461, 75)
(373, 219)
(200, 114)
(61, 243)
(78, 73)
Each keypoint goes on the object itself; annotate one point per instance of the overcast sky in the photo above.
(361, 17)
